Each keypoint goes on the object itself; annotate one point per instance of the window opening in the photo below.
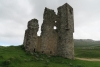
(34, 49)
(50, 52)
(42, 51)
(54, 27)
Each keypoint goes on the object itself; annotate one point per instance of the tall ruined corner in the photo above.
(48, 34)
(65, 25)
(31, 38)
(49, 17)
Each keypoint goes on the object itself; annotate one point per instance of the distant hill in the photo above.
(85, 43)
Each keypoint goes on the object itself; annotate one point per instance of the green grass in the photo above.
(87, 48)
(15, 56)
(87, 53)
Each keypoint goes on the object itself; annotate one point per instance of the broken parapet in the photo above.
(52, 41)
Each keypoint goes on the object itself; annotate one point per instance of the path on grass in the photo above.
(88, 59)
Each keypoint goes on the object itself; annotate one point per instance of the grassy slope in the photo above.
(17, 57)
(86, 43)
(87, 53)
(87, 48)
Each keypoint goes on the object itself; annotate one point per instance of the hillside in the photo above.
(15, 56)
(85, 43)
(87, 48)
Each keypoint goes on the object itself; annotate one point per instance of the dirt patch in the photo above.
(88, 59)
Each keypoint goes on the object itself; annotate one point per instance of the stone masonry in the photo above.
(31, 38)
(57, 42)
(65, 27)
(48, 34)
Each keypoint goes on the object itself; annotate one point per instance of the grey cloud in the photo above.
(13, 10)
(13, 20)
(15, 14)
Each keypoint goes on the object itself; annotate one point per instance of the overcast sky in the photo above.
(14, 15)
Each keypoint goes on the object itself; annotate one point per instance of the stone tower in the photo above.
(52, 41)
(65, 26)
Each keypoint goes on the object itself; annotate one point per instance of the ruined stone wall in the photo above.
(31, 38)
(52, 41)
(48, 34)
(65, 31)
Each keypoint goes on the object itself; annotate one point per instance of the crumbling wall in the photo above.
(31, 38)
(65, 27)
(52, 41)
(48, 34)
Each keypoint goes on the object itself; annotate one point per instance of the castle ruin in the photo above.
(57, 42)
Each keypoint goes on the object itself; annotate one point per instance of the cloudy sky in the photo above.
(14, 15)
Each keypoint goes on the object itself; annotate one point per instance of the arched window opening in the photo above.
(54, 27)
